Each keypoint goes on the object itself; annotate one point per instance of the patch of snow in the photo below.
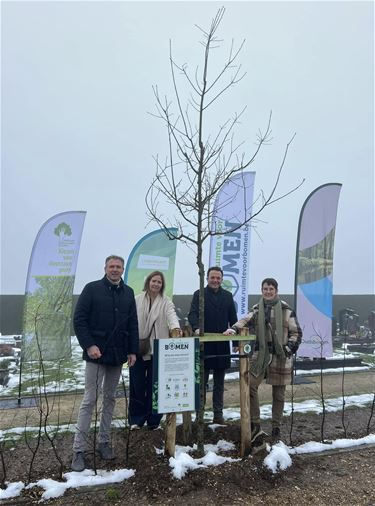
(183, 462)
(86, 478)
(278, 458)
(314, 447)
(12, 490)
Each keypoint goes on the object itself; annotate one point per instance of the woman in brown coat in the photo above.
(278, 336)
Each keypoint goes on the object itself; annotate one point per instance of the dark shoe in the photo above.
(257, 433)
(152, 427)
(258, 443)
(106, 452)
(78, 462)
(276, 434)
(219, 420)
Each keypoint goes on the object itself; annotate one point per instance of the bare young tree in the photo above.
(321, 339)
(43, 405)
(343, 421)
(292, 410)
(127, 430)
(3, 474)
(201, 158)
(372, 410)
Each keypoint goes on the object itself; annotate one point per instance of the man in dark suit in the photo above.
(219, 310)
(106, 326)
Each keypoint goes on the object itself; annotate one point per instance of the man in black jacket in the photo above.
(106, 326)
(219, 310)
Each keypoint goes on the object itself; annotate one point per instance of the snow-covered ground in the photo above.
(69, 374)
(279, 455)
(230, 414)
(279, 458)
(65, 376)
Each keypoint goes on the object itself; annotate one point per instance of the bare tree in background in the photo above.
(322, 339)
(202, 158)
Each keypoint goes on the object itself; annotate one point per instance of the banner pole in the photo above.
(20, 382)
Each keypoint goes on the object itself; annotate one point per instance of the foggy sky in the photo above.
(76, 134)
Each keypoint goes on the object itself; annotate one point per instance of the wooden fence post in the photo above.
(186, 415)
(245, 398)
(170, 435)
(186, 427)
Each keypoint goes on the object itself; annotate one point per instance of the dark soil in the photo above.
(345, 478)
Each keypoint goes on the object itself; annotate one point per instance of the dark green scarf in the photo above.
(270, 332)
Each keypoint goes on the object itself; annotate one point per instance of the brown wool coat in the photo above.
(279, 371)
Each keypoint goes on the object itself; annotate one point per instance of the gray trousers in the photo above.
(99, 379)
(278, 397)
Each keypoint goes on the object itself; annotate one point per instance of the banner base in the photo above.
(13, 403)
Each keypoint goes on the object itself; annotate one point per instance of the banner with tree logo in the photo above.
(49, 288)
(231, 252)
(314, 270)
(154, 252)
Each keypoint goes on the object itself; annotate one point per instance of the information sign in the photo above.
(176, 375)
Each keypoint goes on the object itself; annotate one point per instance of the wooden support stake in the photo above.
(186, 415)
(170, 422)
(245, 399)
(186, 427)
(170, 435)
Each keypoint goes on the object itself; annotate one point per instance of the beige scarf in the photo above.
(147, 315)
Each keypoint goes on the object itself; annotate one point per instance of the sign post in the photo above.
(176, 382)
(245, 396)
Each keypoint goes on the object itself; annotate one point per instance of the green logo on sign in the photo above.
(62, 229)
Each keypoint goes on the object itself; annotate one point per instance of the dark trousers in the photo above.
(140, 401)
(218, 391)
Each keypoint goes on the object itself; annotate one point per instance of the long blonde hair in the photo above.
(148, 279)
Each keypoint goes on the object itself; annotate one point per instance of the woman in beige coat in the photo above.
(156, 317)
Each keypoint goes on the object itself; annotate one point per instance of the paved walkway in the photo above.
(355, 383)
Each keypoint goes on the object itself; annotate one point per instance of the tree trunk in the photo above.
(200, 421)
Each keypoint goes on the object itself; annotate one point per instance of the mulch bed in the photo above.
(337, 478)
